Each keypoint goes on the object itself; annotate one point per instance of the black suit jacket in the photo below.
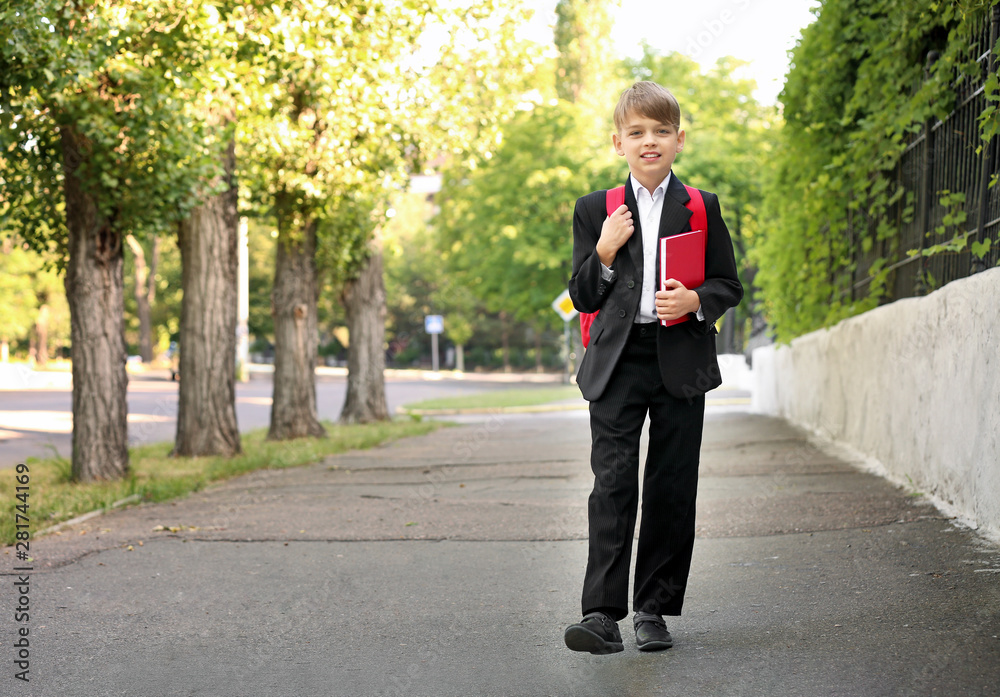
(686, 351)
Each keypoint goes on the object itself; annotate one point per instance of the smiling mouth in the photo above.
(650, 156)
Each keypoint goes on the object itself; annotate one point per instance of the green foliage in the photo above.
(854, 96)
(981, 249)
(336, 103)
(585, 66)
(349, 98)
(31, 293)
(952, 222)
(125, 79)
(18, 304)
(502, 246)
(504, 230)
(989, 122)
(415, 280)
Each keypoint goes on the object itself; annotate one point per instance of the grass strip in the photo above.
(156, 476)
(512, 397)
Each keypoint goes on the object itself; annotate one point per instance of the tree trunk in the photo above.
(296, 333)
(206, 409)
(42, 336)
(142, 274)
(460, 358)
(364, 304)
(95, 289)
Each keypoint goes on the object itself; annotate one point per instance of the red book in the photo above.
(682, 258)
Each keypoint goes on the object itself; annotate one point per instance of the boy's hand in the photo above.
(676, 301)
(615, 232)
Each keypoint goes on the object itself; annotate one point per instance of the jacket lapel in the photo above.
(674, 218)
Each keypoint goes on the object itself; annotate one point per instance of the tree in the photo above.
(418, 284)
(208, 238)
(165, 293)
(364, 302)
(51, 325)
(353, 102)
(322, 134)
(18, 304)
(93, 125)
(32, 301)
(206, 407)
(587, 65)
(145, 291)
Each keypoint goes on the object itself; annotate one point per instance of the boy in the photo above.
(634, 366)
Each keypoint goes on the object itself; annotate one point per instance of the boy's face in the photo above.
(649, 147)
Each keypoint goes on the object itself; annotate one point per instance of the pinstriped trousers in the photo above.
(669, 488)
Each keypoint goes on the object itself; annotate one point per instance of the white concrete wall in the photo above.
(736, 374)
(914, 384)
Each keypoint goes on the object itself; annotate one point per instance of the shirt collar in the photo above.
(636, 186)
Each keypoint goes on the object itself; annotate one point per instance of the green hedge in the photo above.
(854, 95)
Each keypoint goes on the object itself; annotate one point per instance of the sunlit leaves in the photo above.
(505, 227)
(132, 79)
(348, 99)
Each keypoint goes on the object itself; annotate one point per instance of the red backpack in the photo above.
(615, 198)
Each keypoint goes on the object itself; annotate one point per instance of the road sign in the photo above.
(434, 324)
(564, 306)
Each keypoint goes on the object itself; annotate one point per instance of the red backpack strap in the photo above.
(699, 220)
(614, 198)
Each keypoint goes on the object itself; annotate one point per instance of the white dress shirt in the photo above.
(650, 208)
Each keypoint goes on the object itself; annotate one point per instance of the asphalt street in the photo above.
(450, 564)
(39, 422)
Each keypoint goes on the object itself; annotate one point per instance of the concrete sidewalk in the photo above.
(450, 565)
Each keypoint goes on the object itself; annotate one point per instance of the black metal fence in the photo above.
(944, 156)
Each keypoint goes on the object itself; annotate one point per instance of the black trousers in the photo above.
(669, 490)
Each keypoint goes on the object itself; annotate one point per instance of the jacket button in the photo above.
(621, 313)
(631, 284)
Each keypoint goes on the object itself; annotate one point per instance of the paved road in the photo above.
(38, 422)
(450, 564)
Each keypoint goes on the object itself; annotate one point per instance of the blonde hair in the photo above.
(648, 99)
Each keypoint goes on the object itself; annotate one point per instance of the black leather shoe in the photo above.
(597, 634)
(651, 634)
